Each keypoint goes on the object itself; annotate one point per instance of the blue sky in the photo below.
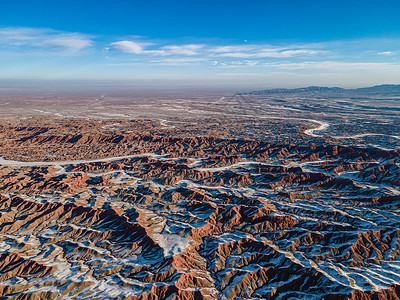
(238, 43)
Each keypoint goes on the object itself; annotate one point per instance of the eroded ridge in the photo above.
(157, 215)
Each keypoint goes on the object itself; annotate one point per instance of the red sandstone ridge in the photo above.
(94, 210)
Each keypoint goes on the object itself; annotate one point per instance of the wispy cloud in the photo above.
(141, 48)
(260, 51)
(257, 60)
(246, 51)
(179, 61)
(165, 62)
(24, 38)
(239, 64)
(132, 47)
(190, 49)
(336, 66)
(27, 49)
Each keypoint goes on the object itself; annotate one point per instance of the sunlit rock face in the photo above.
(197, 209)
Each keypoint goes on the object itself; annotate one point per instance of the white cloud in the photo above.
(386, 53)
(68, 42)
(129, 47)
(139, 48)
(224, 49)
(264, 51)
(269, 52)
(190, 49)
(239, 63)
(23, 38)
(230, 51)
(254, 59)
(224, 54)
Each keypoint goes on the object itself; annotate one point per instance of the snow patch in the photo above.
(172, 244)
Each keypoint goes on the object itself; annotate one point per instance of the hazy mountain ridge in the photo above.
(384, 88)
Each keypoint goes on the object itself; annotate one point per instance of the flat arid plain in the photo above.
(273, 194)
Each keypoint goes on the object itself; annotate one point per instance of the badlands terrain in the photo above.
(276, 194)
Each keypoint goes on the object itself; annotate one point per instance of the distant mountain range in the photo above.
(377, 89)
